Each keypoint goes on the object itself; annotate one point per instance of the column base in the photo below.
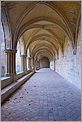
(11, 75)
(8, 74)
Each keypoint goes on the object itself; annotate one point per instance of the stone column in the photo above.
(29, 63)
(24, 62)
(32, 63)
(54, 64)
(34, 66)
(37, 64)
(11, 62)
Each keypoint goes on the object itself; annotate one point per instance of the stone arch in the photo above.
(42, 48)
(44, 36)
(46, 40)
(56, 9)
(6, 29)
(48, 44)
(30, 25)
(44, 62)
(41, 53)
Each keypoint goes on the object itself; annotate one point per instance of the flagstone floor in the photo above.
(45, 96)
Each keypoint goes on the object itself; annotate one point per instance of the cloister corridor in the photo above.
(40, 60)
(45, 96)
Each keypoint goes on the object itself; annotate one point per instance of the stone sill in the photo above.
(5, 82)
(7, 91)
(4, 78)
(21, 74)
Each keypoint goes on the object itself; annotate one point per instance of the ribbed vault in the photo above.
(43, 26)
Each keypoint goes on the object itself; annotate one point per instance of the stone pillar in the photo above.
(32, 63)
(23, 62)
(29, 63)
(11, 62)
(54, 64)
(37, 64)
(34, 66)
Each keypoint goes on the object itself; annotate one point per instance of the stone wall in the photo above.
(69, 65)
(44, 63)
(52, 65)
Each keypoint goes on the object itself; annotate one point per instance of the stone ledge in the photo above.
(5, 82)
(20, 75)
(7, 91)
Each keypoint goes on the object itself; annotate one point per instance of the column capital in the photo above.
(10, 51)
(29, 57)
(24, 55)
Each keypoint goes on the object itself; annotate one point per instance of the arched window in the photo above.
(20, 52)
(18, 58)
(28, 55)
(3, 58)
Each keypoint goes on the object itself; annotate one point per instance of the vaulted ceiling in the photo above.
(43, 26)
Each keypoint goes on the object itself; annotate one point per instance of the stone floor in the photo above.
(45, 96)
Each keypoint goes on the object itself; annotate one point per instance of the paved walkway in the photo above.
(45, 96)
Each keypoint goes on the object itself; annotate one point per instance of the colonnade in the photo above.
(27, 62)
(11, 62)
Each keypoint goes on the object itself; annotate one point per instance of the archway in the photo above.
(44, 62)
(3, 58)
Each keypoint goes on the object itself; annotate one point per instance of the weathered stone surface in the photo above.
(46, 96)
(69, 66)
